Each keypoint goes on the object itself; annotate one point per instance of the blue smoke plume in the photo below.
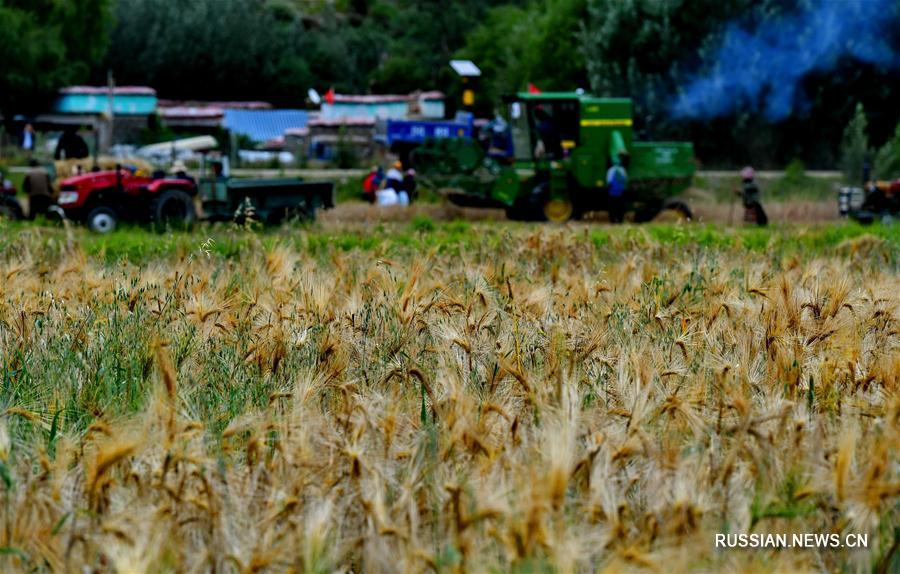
(762, 69)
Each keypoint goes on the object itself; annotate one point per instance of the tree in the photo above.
(887, 160)
(855, 146)
(538, 43)
(44, 45)
(208, 49)
(276, 49)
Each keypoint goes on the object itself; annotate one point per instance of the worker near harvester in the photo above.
(394, 176)
(409, 184)
(616, 182)
(393, 192)
(39, 189)
(372, 182)
(750, 197)
(549, 144)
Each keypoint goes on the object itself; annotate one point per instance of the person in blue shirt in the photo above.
(616, 184)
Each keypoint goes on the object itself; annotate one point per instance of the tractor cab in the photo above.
(543, 127)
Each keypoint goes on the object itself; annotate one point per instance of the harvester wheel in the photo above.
(558, 210)
(647, 212)
(102, 219)
(173, 206)
(677, 208)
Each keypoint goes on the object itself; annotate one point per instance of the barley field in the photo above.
(459, 397)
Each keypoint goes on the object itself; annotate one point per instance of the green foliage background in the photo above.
(275, 50)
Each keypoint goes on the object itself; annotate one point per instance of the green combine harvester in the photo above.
(558, 149)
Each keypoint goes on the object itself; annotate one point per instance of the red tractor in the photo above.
(102, 199)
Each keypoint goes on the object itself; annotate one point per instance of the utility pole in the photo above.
(111, 110)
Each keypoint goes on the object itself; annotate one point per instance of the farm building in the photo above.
(386, 106)
(326, 136)
(112, 114)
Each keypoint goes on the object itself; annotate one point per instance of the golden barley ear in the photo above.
(106, 457)
(166, 369)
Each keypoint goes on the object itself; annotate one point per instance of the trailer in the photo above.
(270, 201)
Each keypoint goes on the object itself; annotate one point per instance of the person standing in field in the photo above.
(750, 197)
(371, 182)
(39, 189)
(409, 184)
(71, 146)
(27, 139)
(616, 180)
(392, 193)
(394, 176)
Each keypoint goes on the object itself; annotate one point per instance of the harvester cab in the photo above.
(551, 127)
(563, 145)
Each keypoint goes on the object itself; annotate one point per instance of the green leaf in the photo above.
(423, 414)
(5, 476)
(51, 440)
(10, 550)
(60, 524)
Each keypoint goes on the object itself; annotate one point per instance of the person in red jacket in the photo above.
(371, 183)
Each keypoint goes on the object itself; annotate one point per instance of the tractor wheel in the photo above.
(675, 210)
(102, 219)
(10, 210)
(173, 207)
(558, 210)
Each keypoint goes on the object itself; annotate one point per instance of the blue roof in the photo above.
(263, 125)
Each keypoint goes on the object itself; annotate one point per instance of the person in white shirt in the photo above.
(392, 193)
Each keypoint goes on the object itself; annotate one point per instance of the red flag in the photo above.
(532, 89)
(329, 96)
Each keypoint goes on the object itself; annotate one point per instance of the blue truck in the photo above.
(403, 133)
(402, 136)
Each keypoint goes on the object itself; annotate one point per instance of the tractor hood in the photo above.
(74, 191)
(94, 179)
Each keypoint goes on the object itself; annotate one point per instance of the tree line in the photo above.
(653, 51)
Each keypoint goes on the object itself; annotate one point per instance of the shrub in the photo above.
(887, 160)
(855, 146)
